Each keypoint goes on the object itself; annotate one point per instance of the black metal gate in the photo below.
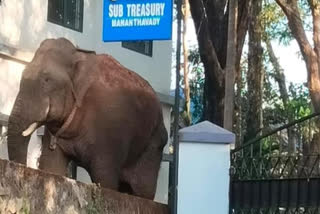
(272, 174)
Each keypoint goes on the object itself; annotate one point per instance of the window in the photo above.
(67, 13)
(143, 47)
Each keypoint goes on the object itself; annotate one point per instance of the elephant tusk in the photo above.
(47, 111)
(30, 129)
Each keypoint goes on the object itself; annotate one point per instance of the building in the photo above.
(25, 23)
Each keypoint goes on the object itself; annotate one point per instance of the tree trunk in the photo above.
(281, 80)
(255, 74)
(238, 109)
(186, 16)
(211, 24)
(230, 66)
(279, 75)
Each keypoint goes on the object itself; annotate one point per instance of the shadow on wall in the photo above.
(11, 16)
(24, 25)
(10, 76)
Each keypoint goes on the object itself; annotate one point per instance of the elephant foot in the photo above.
(125, 187)
(142, 176)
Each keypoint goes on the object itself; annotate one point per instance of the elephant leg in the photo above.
(54, 161)
(105, 172)
(142, 176)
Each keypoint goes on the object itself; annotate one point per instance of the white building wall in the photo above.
(9, 84)
(23, 25)
(3, 145)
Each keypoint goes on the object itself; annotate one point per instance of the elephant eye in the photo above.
(46, 82)
(46, 79)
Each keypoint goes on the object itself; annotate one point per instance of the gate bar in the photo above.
(173, 181)
(275, 131)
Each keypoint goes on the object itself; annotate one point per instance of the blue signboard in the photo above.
(129, 20)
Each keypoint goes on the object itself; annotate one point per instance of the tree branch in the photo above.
(295, 23)
(279, 75)
(230, 65)
(207, 50)
(242, 29)
(315, 9)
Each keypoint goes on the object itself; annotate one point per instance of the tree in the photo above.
(186, 15)
(211, 24)
(230, 66)
(281, 80)
(255, 73)
(278, 73)
(310, 53)
(196, 85)
(275, 28)
(240, 101)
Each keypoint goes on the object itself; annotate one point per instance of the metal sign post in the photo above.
(173, 182)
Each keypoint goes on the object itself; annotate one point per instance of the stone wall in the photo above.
(25, 190)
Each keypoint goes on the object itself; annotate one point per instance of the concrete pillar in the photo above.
(203, 173)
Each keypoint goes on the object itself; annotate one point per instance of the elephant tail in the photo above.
(164, 135)
(160, 133)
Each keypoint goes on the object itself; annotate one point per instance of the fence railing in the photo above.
(278, 172)
(291, 151)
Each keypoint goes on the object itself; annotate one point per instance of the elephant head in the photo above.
(49, 88)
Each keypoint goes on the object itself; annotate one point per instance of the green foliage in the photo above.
(25, 207)
(196, 82)
(97, 204)
(275, 23)
(305, 13)
(275, 113)
(92, 208)
(275, 27)
(299, 105)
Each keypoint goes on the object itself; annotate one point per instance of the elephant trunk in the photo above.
(17, 143)
(29, 111)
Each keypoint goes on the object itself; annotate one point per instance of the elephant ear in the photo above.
(84, 74)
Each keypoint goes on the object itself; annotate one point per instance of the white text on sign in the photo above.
(137, 10)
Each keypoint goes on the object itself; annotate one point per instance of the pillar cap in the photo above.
(206, 132)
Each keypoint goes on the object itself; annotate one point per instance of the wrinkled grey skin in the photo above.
(117, 132)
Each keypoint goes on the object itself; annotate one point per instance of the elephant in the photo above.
(97, 113)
